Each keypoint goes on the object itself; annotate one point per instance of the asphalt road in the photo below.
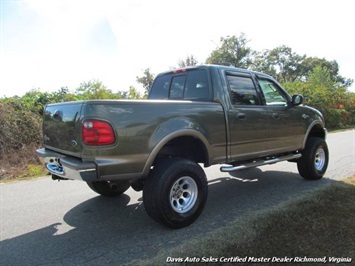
(43, 222)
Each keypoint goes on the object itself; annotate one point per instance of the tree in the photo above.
(288, 66)
(323, 93)
(189, 61)
(281, 63)
(232, 52)
(94, 89)
(332, 67)
(320, 76)
(146, 80)
(62, 95)
(33, 101)
(133, 94)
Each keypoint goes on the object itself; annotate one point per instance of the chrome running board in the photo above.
(260, 162)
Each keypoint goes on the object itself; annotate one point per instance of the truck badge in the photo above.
(74, 143)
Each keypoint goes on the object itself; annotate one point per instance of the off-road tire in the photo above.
(315, 158)
(175, 192)
(109, 188)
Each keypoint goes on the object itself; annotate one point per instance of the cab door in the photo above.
(286, 125)
(248, 119)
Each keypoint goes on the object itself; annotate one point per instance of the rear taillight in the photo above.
(97, 133)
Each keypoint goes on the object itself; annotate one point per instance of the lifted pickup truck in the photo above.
(198, 115)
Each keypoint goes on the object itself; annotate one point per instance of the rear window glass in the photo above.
(189, 85)
(177, 87)
(160, 89)
(197, 85)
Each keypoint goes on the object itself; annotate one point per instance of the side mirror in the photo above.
(297, 100)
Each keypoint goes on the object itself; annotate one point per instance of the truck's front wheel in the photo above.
(175, 192)
(109, 188)
(314, 161)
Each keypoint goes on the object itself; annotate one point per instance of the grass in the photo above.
(21, 164)
(319, 225)
(26, 172)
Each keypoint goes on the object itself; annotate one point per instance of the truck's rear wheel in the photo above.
(314, 161)
(175, 192)
(109, 188)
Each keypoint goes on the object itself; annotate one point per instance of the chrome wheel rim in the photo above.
(320, 159)
(183, 194)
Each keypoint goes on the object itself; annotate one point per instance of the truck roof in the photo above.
(219, 67)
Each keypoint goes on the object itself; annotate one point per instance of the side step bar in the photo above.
(261, 162)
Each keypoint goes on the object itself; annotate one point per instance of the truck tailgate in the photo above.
(61, 127)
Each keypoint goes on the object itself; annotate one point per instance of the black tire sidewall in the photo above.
(306, 165)
(188, 217)
(164, 176)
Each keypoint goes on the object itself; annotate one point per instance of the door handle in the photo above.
(241, 116)
(275, 115)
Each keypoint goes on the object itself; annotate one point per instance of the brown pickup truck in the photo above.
(195, 116)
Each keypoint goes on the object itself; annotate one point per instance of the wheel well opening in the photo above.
(185, 147)
(317, 131)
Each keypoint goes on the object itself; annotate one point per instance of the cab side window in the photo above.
(242, 90)
(272, 93)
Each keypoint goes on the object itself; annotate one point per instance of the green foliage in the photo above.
(336, 103)
(309, 63)
(20, 135)
(18, 127)
(94, 90)
(146, 80)
(281, 63)
(62, 95)
(35, 100)
(232, 52)
(189, 61)
(288, 66)
(133, 94)
(36, 170)
(320, 76)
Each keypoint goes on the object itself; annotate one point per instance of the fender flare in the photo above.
(180, 133)
(310, 128)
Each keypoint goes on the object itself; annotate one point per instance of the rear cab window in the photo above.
(185, 84)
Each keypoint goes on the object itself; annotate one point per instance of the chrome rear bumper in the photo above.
(68, 167)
